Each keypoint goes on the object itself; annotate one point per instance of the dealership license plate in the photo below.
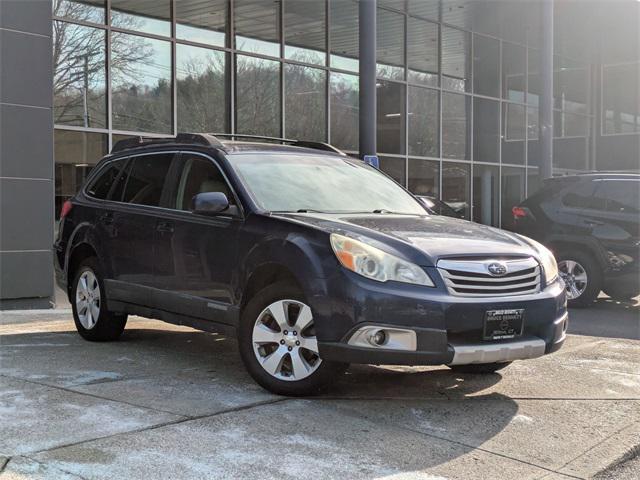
(501, 324)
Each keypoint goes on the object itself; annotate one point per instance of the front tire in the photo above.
(582, 278)
(278, 344)
(479, 367)
(93, 321)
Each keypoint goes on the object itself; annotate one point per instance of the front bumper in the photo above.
(448, 330)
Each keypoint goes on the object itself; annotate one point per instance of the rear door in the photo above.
(135, 223)
(198, 254)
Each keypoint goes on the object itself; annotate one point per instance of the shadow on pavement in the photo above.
(607, 318)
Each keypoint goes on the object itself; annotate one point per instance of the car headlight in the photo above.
(375, 264)
(548, 261)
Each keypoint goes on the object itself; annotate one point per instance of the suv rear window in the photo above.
(101, 186)
(622, 196)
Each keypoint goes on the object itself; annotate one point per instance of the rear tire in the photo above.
(479, 367)
(582, 276)
(88, 302)
(619, 293)
(274, 358)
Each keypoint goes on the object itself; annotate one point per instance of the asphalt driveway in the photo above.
(171, 402)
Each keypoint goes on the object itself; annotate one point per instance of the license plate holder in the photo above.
(503, 324)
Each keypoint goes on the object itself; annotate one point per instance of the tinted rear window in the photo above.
(101, 186)
(147, 174)
(620, 195)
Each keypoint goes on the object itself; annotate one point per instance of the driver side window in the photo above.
(199, 175)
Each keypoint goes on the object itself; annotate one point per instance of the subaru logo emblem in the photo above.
(497, 269)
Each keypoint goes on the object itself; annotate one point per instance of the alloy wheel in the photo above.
(284, 340)
(574, 276)
(88, 299)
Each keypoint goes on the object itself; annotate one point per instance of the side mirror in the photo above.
(209, 203)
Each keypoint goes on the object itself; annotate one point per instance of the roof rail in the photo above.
(191, 138)
(296, 143)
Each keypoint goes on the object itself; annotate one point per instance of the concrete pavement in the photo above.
(172, 402)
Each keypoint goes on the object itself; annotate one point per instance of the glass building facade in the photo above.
(457, 87)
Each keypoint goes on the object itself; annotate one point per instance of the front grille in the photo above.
(472, 277)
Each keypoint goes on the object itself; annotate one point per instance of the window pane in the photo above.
(102, 185)
(390, 44)
(486, 130)
(75, 155)
(257, 96)
(201, 84)
(395, 168)
(304, 31)
(147, 175)
(533, 66)
(84, 10)
(344, 91)
(141, 83)
(79, 78)
(456, 186)
(621, 196)
(343, 34)
(486, 65)
(142, 16)
(391, 117)
(512, 193)
(203, 23)
(486, 184)
(305, 111)
(569, 85)
(425, 8)
(533, 181)
(256, 23)
(513, 80)
(199, 176)
(513, 138)
(456, 131)
(456, 59)
(621, 98)
(424, 177)
(422, 53)
(423, 122)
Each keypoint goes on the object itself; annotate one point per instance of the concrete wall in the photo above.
(26, 154)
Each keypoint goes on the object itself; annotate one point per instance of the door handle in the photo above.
(165, 227)
(107, 218)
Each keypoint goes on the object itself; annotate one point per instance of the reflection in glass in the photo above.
(486, 65)
(456, 186)
(486, 185)
(425, 8)
(343, 94)
(513, 180)
(75, 155)
(533, 180)
(343, 34)
(569, 85)
(256, 23)
(141, 83)
(84, 10)
(456, 126)
(202, 22)
(79, 75)
(533, 74)
(513, 80)
(456, 59)
(513, 137)
(424, 177)
(201, 92)
(621, 98)
(390, 44)
(422, 51)
(304, 31)
(305, 111)
(391, 117)
(149, 17)
(486, 130)
(257, 96)
(423, 122)
(395, 168)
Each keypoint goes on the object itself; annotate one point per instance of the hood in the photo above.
(433, 236)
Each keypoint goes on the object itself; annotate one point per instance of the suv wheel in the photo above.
(278, 343)
(582, 278)
(93, 321)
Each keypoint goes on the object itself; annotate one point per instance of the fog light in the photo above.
(378, 338)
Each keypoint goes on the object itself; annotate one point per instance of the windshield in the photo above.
(320, 183)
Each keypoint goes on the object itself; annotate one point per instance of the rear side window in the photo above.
(621, 196)
(147, 175)
(579, 195)
(101, 186)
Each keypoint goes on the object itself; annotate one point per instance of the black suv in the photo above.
(312, 259)
(592, 223)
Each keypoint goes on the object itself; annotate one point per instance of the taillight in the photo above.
(66, 208)
(519, 212)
